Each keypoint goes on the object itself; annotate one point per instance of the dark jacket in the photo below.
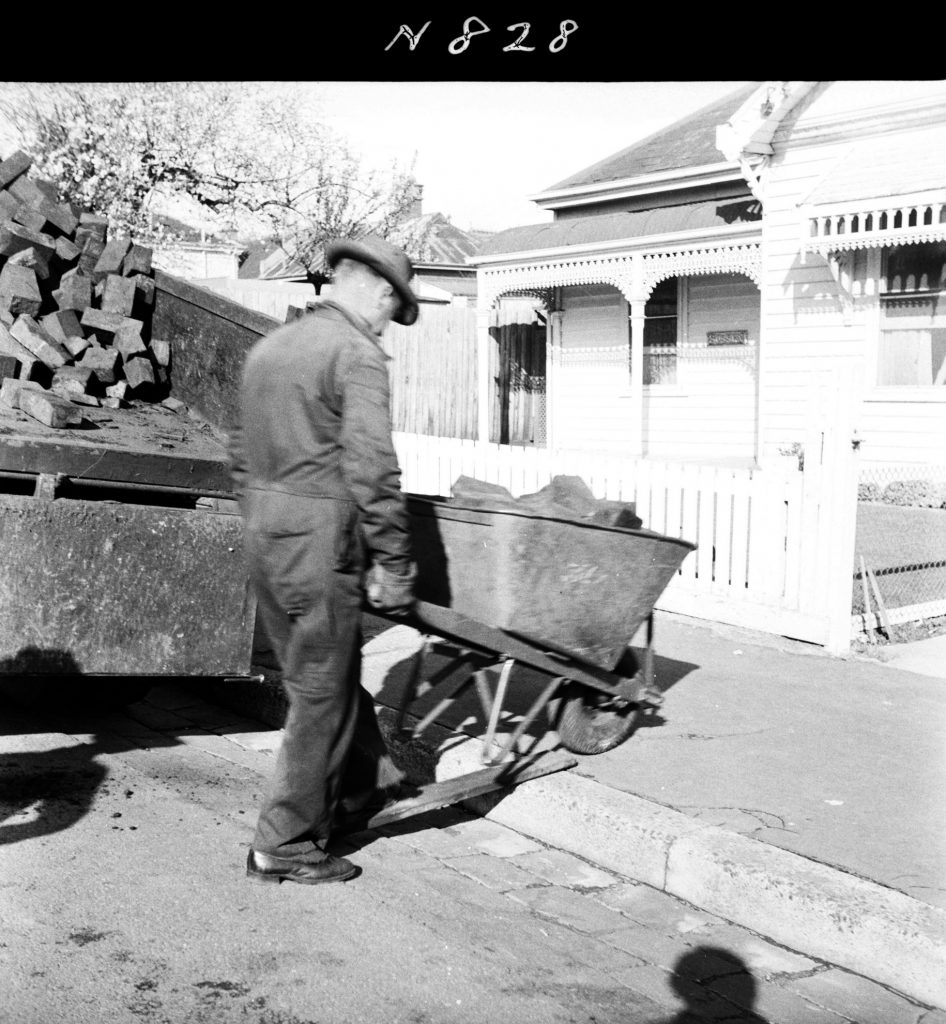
(313, 451)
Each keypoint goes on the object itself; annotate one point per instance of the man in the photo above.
(319, 487)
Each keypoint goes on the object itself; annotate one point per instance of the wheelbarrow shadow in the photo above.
(447, 717)
(440, 720)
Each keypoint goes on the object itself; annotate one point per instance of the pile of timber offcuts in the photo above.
(75, 307)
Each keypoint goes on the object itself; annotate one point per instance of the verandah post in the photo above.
(636, 302)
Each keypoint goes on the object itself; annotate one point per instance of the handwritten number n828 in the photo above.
(517, 45)
(477, 27)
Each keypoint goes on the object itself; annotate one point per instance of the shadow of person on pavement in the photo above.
(715, 984)
(45, 791)
(44, 693)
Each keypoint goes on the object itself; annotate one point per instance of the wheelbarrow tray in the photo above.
(578, 588)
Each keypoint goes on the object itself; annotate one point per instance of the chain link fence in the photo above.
(900, 552)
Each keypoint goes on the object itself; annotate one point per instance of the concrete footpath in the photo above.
(793, 793)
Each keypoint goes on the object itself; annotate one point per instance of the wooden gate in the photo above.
(518, 369)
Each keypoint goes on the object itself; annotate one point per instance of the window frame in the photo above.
(877, 392)
(680, 316)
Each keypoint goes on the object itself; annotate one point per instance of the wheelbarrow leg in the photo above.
(409, 694)
(416, 686)
(509, 747)
(650, 696)
(496, 710)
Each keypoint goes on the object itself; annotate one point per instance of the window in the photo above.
(660, 334)
(912, 349)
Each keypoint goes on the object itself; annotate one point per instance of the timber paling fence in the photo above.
(764, 557)
(433, 373)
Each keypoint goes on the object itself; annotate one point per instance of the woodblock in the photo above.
(16, 164)
(74, 291)
(103, 362)
(128, 340)
(110, 261)
(19, 291)
(137, 260)
(138, 372)
(34, 260)
(50, 409)
(14, 237)
(32, 336)
(61, 325)
(10, 391)
(101, 321)
(119, 295)
(9, 365)
(161, 351)
(67, 250)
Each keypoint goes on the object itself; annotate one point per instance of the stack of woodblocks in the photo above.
(75, 306)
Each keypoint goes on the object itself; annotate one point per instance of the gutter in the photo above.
(662, 181)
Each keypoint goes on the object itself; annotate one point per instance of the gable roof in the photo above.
(442, 242)
(689, 142)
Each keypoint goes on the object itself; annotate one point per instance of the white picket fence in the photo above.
(771, 552)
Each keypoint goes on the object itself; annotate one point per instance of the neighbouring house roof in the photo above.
(443, 246)
(689, 142)
(611, 227)
(461, 284)
(442, 242)
(267, 260)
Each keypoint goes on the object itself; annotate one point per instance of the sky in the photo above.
(482, 148)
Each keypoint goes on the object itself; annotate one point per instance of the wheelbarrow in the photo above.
(505, 588)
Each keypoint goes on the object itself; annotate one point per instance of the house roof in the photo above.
(886, 167)
(442, 244)
(267, 260)
(689, 142)
(442, 241)
(610, 227)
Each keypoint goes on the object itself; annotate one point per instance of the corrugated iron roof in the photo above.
(611, 227)
(887, 166)
(689, 142)
(442, 241)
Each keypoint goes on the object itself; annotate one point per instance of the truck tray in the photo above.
(100, 587)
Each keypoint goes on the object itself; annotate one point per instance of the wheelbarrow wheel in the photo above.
(591, 722)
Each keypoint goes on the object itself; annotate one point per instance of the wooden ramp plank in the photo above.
(435, 795)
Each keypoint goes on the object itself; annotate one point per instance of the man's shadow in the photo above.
(715, 984)
(46, 791)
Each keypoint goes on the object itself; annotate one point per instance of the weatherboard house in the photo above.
(744, 318)
(695, 281)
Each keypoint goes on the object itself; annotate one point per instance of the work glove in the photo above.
(391, 592)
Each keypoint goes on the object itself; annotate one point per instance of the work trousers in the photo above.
(332, 754)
